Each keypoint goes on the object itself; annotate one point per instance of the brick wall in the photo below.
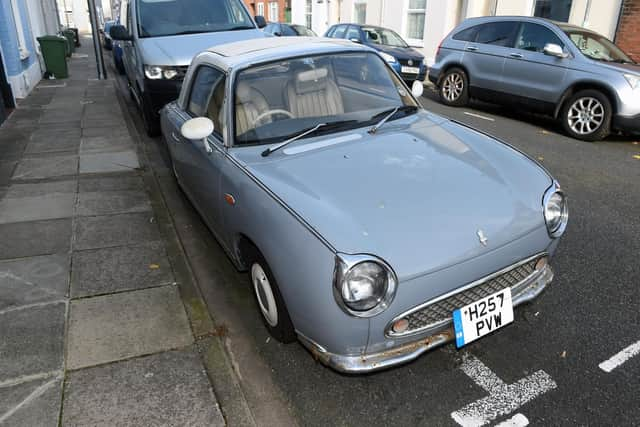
(282, 5)
(628, 36)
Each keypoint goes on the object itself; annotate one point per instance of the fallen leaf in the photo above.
(154, 266)
(637, 157)
(544, 132)
(563, 354)
(540, 158)
(635, 142)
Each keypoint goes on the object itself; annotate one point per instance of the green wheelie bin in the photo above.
(71, 39)
(54, 51)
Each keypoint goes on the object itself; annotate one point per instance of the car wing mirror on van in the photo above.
(260, 21)
(119, 32)
(553, 49)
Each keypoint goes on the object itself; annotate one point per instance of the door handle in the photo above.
(516, 55)
(472, 48)
(175, 137)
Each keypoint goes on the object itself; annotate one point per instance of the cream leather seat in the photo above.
(311, 93)
(249, 105)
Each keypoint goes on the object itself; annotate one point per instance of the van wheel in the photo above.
(587, 115)
(454, 88)
(149, 118)
(270, 303)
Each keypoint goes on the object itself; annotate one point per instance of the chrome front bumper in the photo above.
(410, 351)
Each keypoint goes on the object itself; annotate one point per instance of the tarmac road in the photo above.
(542, 369)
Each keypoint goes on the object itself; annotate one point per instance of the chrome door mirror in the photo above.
(417, 88)
(198, 128)
(356, 40)
(553, 49)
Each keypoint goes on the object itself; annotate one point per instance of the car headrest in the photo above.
(243, 93)
(311, 81)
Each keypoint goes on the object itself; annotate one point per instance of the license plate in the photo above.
(482, 317)
(410, 70)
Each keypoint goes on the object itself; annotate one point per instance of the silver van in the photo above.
(160, 38)
(569, 72)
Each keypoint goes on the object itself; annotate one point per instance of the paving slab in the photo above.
(109, 270)
(54, 142)
(18, 190)
(33, 280)
(111, 202)
(119, 161)
(32, 340)
(33, 403)
(111, 121)
(46, 167)
(110, 183)
(101, 131)
(47, 135)
(113, 327)
(24, 239)
(49, 206)
(164, 389)
(102, 144)
(6, 171)
(105, 231)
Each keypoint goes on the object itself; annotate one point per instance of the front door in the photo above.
(198, 164)
(528, 72)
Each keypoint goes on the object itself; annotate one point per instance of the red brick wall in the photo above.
(628, 36)
(282, 5)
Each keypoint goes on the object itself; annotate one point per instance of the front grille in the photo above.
(440, 312)
(405, 62)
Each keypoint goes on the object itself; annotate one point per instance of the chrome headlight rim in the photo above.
(559, 229)
(344, 264)
(161, 72)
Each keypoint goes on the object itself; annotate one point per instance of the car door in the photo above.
(197, 163)
(486, 53)
(128, 49)
(530, 73)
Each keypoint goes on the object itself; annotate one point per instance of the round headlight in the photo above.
(364, 286)
(556, 213)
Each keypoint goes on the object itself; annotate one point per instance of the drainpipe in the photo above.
(93, 17)
(620, 13)
(382, 8)
(587, 10)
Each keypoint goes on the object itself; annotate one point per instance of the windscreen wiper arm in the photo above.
(270, 150)
(388, 115)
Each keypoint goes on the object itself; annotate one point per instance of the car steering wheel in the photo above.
(271, 113)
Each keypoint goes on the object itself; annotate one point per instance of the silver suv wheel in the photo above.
(586, 115)
(452, 87)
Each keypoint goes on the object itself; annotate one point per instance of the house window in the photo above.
(260, 8)
(415, 20)
(17, 18)
(557, 10)
(307, 13)
(273, 11)
(360, 12)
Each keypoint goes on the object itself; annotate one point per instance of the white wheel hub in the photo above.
(264, 294)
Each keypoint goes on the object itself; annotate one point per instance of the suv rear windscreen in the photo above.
(173, 17)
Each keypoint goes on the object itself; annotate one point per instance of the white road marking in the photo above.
(479, 116)
(618, 359)
(503, 398)
(518, 420)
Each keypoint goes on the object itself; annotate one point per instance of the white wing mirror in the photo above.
(198, 128)
(417, 88)
(553, 49)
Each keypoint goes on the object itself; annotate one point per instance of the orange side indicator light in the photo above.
(230, 199)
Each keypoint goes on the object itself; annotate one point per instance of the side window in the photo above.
(288, 31)
(534, 37)
(269, 29)
(207, 96)
(468, 35)
(353, 33)
(497, 33)
(339, 32)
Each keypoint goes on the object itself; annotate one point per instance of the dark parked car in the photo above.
(117, 57)
(279, 30)
(407, 62)
(107, 41)
(576, 75)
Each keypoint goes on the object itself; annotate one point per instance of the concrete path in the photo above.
(93, 330)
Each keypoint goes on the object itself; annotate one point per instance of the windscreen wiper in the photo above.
(307, 132)
(388, 114)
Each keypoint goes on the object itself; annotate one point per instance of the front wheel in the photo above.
(272, 308)
(587, 115)
(454, 88)
(150, 118)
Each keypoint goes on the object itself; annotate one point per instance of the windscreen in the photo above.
(597, 47)
(383, 36)
(173, 17)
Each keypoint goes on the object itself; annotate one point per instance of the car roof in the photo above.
(264, 49)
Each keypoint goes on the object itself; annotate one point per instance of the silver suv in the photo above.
(576, 75)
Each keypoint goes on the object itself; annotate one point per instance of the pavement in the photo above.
(544, 369)
(100, 323)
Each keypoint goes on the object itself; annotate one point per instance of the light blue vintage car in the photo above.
(372, 230)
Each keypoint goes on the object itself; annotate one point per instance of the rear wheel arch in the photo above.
(449, 67)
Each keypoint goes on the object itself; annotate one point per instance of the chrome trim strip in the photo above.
(390, 334)
(363, 363)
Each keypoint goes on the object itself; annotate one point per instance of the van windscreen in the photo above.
(173, 17)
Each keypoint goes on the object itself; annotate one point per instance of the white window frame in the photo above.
(308, 13)
(405, 26)
(260, 9)
(273, 10)
(358, 3)
(22, 41)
